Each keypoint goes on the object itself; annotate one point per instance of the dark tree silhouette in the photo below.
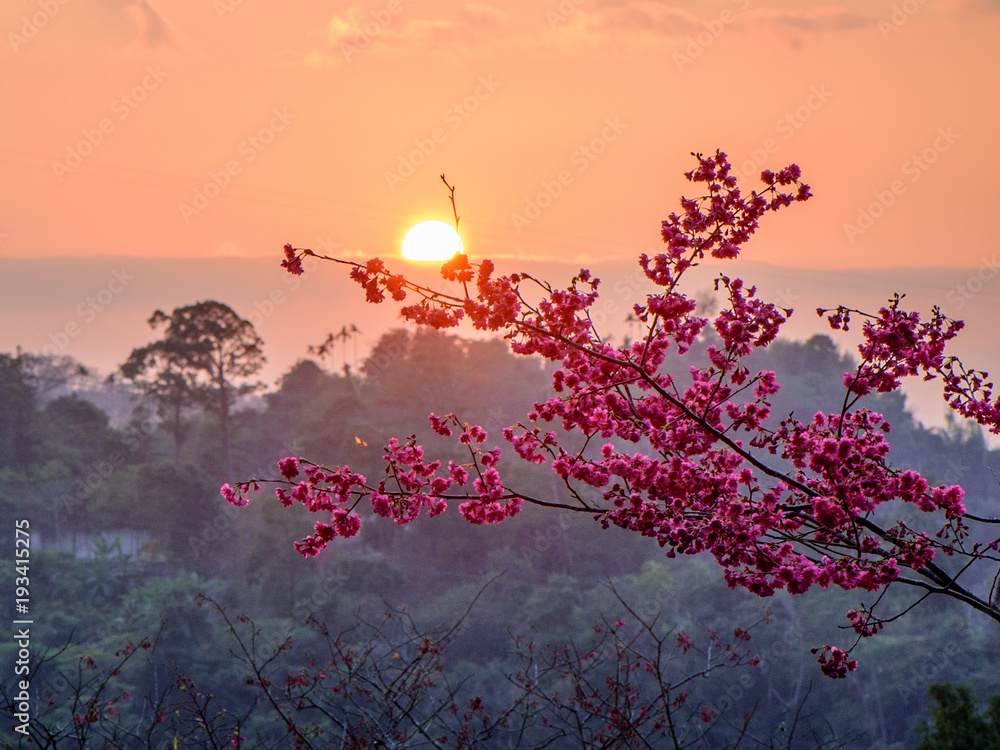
(205, 349)
(157, 371)
(18, 401)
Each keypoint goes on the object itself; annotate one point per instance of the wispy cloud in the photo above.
(474, 26)
(356, 30)
(821, 19)
(643, 16)
(652, 18)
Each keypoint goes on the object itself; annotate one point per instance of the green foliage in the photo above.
(19, 439)
(80, 475)
(957, 723)
(481, 381)
(174, 501)
(77, 433)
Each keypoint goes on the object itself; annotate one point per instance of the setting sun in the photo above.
(431, 240)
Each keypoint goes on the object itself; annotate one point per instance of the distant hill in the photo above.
(95, 309)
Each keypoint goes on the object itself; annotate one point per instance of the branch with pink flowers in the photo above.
(786, 506)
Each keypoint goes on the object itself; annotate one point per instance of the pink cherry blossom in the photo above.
(688, 460)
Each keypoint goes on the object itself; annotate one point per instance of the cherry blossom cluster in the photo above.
(690, 460)
(411, 486)
(835, 662)
(896, 344)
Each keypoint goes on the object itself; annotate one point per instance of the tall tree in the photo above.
(206, 349)
(157, 371)
(18, 409)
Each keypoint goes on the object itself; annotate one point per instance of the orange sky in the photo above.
(312, 120)
(221, 129)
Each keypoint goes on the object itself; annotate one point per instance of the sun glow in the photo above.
(431, 240)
